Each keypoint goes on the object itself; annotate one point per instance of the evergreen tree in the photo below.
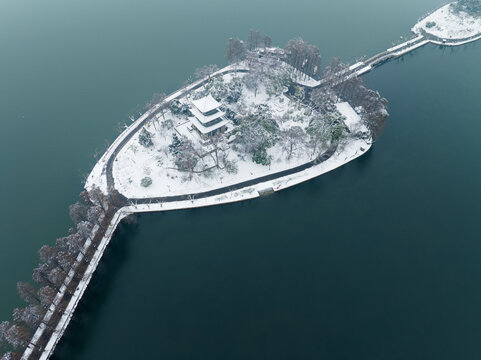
(175, 145)
(145, 138)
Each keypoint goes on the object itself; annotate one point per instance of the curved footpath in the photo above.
(102, 176)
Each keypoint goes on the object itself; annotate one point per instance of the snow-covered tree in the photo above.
(256, 132)
(187, 156)
(18, 336)
(292, 139)
(145, 138)
(205, 71)
(319, 134)
(323, 99)
(472, 7)
(56, 277)
(11, 356)
(30, 316)
(175, 145)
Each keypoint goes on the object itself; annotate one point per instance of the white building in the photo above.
(207, 117)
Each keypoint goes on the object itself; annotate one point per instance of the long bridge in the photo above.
(49, 335)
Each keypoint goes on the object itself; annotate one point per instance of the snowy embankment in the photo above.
(447, 25)
(350, 152)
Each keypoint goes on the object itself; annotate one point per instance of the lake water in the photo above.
(376, 260)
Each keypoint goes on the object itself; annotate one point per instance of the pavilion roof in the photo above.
(206, 104)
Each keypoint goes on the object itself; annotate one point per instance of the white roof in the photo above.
(206, 130)
(206, 104)
(206, 119)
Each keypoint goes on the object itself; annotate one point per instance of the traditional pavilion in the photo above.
(207, 117)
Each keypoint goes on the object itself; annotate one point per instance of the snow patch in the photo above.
(449, 25)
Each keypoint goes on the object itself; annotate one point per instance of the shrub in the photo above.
(430, 24)
(146, 181)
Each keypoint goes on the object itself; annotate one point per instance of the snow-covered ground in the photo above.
(135, 162)
(448, 25)
(351, 151)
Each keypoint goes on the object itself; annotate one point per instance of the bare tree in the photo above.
(115, 199)
(17, 336)
(253, 40)
(65, 260)
(323, 99)
(319, 134)
(75, 244)
(255, 75)
(4, 326)
(40, 276)
(78, 212)
(46, 295)
(84, 229)
(56, 258)
(235, 51)
(30, 316)
(12, 356)
(28, 293)
(217, 141)
(267, 41)
(292, 139)
(48, 254)
(304, 57)
(94, 214)
(98, 198)
(56, 276)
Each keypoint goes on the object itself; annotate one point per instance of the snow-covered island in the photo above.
(456, 21)
(262, 123)
(269, 120)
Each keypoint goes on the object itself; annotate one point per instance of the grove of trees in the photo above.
(93, 209)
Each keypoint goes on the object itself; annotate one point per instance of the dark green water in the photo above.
(377, 260)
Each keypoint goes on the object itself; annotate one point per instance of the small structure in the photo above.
(207, 117)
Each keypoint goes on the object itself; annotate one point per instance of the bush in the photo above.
(260, 156)
(430, 24)
(178, 108)
(146, 181)
(167, 124)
